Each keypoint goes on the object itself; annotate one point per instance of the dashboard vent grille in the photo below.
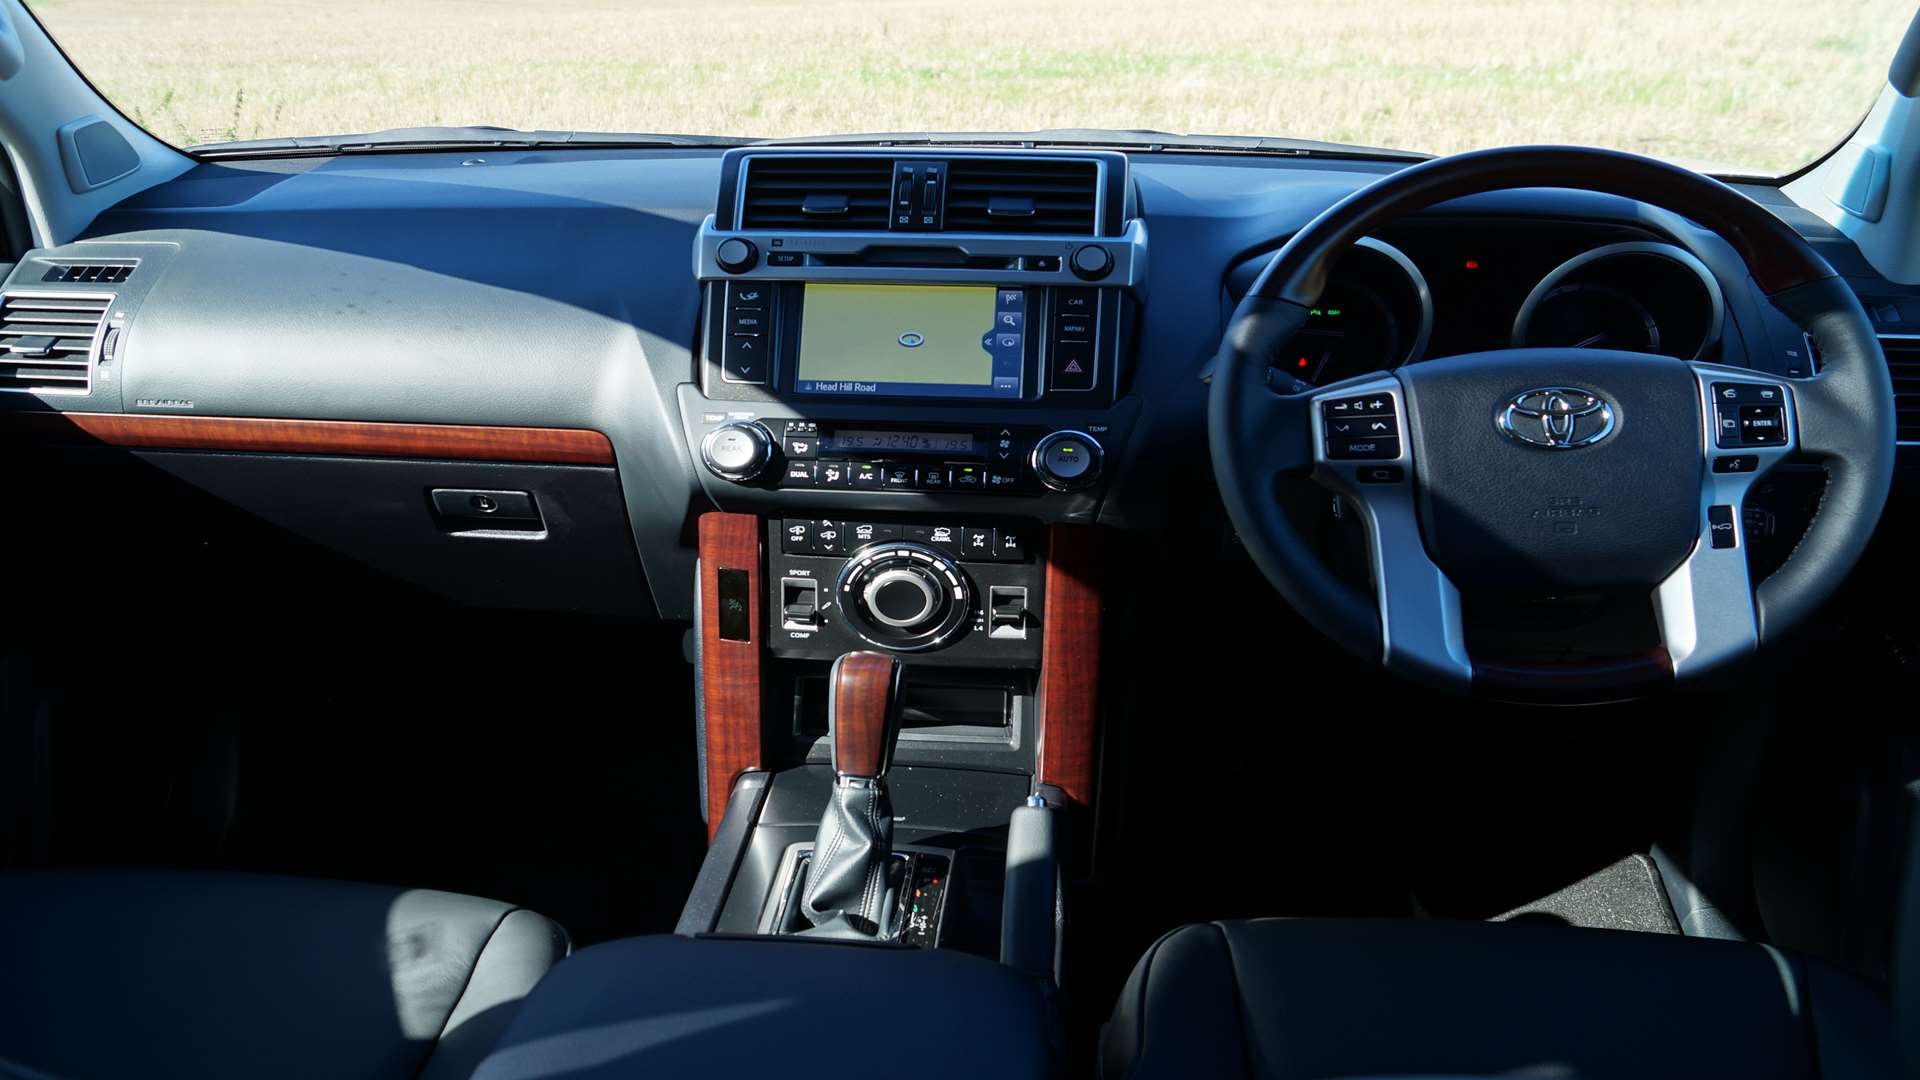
(46, 342)
(1022, 196)
(846, 192)
(90, 273)
(1903, 363)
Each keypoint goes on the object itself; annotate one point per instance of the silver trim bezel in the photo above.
(1422, 627)
(1705, 609)
(1717, 302)
(950, 628)
(1092, 476)
(93, 346)
(1418, 350)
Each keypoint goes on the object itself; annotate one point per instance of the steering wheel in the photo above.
(1553, 470)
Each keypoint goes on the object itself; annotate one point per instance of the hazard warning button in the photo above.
(1071, 366)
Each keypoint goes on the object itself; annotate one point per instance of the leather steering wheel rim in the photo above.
(1261, 424)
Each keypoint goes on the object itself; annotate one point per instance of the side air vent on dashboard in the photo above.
(100, 273)
(1022, 195)
(46, 342)
(1903, 363)
(792, 192)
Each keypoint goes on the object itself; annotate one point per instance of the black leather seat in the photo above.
(119, 973)
(1281, 999)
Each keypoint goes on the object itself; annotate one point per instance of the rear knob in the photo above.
(738, 450)
(1067, 460)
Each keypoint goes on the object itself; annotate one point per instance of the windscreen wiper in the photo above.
(1135, 140)
(398, 140)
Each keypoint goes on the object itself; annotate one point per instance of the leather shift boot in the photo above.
(850, 870)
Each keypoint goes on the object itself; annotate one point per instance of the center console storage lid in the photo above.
(788, 1007)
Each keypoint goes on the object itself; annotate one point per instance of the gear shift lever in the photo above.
(852, 854)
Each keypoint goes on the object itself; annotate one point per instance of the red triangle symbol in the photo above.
(1073, 367)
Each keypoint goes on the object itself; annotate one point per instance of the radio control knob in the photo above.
(736, 255)
(738, 450)
(1091, 263)
(1067, 460)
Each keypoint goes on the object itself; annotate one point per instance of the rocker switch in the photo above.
(1007, 611)
(799, 604)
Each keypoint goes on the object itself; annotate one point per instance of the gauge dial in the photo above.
(1348, 332)
(1592, 316)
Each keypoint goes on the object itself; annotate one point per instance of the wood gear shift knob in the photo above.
(863, 712)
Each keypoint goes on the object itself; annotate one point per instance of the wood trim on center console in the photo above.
(729, 666)
(1070, 661)
(459, 442)
(862, 705)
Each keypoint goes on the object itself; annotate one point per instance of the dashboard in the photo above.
(972, 344)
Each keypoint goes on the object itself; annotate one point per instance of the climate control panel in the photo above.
(964, 593)
(816, 454)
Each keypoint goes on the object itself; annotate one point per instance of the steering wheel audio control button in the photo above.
(1369, 405)
(1363, 449)
(1381, 474)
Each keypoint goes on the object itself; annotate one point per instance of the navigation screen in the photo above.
(912, 340)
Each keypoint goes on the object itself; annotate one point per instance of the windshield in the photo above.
(1760, 87)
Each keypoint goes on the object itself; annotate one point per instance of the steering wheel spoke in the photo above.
(1571, 504)
(1362, 450)
(1705, 609)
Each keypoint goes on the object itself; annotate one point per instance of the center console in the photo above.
(908, 403)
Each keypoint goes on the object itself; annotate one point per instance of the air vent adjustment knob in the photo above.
(736, 255)
(1091, 263)
(738, 451)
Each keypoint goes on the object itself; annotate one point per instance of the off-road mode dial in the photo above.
(905, 597)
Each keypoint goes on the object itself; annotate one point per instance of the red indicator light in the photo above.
(1473, 264)
(1302, 362)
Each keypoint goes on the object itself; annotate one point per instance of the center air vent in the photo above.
(101, 273)
(1022, 195)
(1903, 363)
(791, 192)
(46, 342)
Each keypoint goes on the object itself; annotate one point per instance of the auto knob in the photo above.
(736, 255)
(1067, 460)
(737, 450)
(1090, 263)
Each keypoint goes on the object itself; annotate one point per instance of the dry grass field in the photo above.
(1762, 84)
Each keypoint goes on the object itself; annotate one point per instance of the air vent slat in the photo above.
(1064, 195)
(1903, 363)
(778, 187)
(94, 273)
(47, 342)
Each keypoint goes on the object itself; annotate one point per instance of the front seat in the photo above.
(1280, 999)
(158, 973)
